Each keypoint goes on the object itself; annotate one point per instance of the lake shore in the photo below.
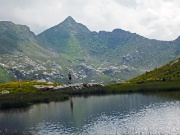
(31, 95)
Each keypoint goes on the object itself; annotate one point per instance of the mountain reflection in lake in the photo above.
(112, 114)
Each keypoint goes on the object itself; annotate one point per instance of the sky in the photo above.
(154, 19)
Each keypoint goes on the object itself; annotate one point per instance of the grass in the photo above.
(3, 76)
(169, 72)
(27, 95)
(165, 78)
(27, 99)
(144, 87)
(24, 94)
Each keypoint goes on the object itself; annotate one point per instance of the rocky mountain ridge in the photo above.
(101, 57)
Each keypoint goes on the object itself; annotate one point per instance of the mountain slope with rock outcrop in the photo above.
(102, 57)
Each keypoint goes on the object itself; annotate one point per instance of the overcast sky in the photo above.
(155, 19)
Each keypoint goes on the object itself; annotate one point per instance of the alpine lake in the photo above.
(121, 114)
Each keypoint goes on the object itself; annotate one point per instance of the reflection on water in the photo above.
(71, 103)
(113, 114)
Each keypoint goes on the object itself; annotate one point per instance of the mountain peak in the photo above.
(69, 19)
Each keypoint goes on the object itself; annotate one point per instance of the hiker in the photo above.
(69, 77)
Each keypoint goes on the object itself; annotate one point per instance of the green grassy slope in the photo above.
(169, 72)
(4, 77)
(164, 78)
(17, 44)
(18, 38)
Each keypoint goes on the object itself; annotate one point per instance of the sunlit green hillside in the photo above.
(169, 72)
(164, 78)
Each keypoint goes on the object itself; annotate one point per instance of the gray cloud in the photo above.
(153, 19)
(128, 3)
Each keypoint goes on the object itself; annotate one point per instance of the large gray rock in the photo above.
(44, 87)
(69, 86)
(5, 92)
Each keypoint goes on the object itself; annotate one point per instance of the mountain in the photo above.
(18, 38)
(117, 55)
(21, 56)
(64, 37)
(116, 47)
(12, 36)
(102, 57)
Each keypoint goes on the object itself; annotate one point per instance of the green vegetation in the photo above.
(92, 56)
(119, 55)
(166, 78)
(144, 87)
(3, 76)
(169, 72)
(24, 94)
(26, 99)
(107, 50)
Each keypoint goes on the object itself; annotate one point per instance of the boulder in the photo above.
(44, 87)
(69, 86)
(5, 92)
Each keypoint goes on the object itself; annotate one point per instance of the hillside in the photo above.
(21, 56)
(5, 77)
(107, 56)
(18, 38)
(118, 47)
(63, 38)
(169, 72)
(102, 57)
(165, 78)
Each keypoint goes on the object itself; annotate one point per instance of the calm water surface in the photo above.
(111, 114)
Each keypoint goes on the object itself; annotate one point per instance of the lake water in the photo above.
(98, 115)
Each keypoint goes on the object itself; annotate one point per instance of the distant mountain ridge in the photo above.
(92, 56)
(118, 46)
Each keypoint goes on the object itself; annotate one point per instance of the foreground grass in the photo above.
(26, 94)
(27, 98)
(145, 87)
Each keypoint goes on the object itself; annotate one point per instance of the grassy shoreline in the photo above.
(32, 96)
(16, 100)
(145, 87)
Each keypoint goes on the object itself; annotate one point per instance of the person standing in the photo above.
(69, 77)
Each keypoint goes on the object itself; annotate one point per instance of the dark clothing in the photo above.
(70, 77)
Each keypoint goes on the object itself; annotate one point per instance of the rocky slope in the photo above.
(101, 57)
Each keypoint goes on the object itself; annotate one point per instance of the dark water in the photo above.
(98, 115)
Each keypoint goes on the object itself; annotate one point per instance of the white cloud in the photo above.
(157, 19)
